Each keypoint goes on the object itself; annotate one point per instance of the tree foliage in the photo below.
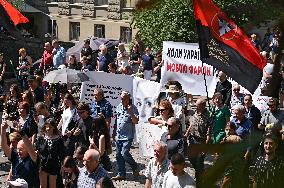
(18, 4)
(173, 20)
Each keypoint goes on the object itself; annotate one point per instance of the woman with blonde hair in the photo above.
(24, 68)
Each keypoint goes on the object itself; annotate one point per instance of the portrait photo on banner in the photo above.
(145, 94)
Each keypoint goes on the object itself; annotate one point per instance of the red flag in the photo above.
(14, 14)
(225, 46)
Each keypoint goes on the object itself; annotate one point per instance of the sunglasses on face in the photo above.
(236, 90)
(169, 126)
(162, 110)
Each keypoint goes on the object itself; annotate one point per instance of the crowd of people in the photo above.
(53, 140)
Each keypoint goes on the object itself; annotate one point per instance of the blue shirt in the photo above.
(104, 61)
(25, 169)
(147, 62)
(123, 122)
(59, 57)
(88, 180)
(243, 128)
(103, 106)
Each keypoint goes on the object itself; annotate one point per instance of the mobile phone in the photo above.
(98, 109)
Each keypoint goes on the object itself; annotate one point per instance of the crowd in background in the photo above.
(52, 140)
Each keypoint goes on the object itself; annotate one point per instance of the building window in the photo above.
(125, 34)
(77, 1)
(102, 2)
(52, 29)
(74, 30)
(99, 31)
(128, 3)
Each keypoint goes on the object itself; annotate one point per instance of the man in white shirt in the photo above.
(157, 166)
(176, 176)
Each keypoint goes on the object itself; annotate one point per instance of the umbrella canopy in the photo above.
(66, 76)
(94, 44)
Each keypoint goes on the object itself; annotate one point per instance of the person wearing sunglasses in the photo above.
(175, 141)
(165, 112)
(237, 97)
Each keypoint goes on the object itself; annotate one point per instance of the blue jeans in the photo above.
(123, 155)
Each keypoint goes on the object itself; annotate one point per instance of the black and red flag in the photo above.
(10, 17)
(226, 47)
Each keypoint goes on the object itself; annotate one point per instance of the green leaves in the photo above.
(173, 20)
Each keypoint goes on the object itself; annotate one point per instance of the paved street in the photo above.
(130, 183)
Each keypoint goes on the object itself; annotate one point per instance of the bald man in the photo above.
(92, 172)
(24, 160)
(198, 132)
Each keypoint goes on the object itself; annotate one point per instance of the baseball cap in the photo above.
(19, 183)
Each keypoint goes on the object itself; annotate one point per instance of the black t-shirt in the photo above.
(134, 56)
(225, 88)
(175, 145)
(86, 131)
(38, 95)
(86, 52)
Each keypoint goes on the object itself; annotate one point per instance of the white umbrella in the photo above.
(66, 76)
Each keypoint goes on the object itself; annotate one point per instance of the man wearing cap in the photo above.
(126, 118)
(24, 160)
(101, 105)
(273, 117)
(268, 168)
(178, 102)
(37, 91)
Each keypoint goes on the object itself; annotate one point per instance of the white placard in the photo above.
(182, 63)
(147, 135)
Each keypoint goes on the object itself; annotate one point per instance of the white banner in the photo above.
(147, 135)
(261, 102)
(182, 63)
(111, 84)
(145, 94)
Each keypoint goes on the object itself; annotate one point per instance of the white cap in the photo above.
(21, 183)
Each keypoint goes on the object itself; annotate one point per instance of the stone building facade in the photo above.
(74, 20)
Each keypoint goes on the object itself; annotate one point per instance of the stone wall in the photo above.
(88, 9)
(64, 7)
(114, 9)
